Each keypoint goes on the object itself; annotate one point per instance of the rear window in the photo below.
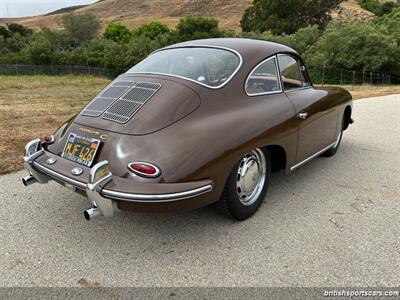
(212, 67)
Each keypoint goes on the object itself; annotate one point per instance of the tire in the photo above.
(332, 151)
(246, 186)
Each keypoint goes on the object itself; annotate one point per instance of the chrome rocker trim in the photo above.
(101, 198)
(312, 157)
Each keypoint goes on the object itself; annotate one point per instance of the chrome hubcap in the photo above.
(251, 177)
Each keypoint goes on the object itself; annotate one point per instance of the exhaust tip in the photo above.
(28, 180)
(91, 212)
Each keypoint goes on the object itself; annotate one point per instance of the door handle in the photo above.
(303, 115)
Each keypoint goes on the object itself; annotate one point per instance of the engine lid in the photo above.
(139, 105)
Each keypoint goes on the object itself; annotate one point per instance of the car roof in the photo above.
(247, 48)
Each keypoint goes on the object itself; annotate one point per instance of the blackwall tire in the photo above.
(246, 186)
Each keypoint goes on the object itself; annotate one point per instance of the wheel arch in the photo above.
(278, 157)
(347, 117)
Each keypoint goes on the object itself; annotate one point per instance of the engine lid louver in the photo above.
(121, 100)
(123, 109)
(106, 97)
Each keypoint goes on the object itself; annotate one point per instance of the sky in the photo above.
(24, 8)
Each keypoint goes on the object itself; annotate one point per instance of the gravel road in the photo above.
(333, 222)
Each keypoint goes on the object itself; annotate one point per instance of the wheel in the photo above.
(332, 151)
(246, 186)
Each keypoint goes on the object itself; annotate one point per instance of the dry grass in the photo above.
(33, 106)
(368, 91)
(133, 13)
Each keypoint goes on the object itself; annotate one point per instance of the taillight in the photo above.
(144, 169)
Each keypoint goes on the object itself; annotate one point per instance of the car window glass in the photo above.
(208, 66)
(264, 79)
(304, 77)
(290, 72)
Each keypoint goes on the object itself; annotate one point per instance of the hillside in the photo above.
(135, 12)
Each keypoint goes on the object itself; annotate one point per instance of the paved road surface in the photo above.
(333, 222)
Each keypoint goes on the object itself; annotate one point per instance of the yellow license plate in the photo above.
(81, 149)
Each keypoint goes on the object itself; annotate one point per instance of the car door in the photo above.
(317, 116)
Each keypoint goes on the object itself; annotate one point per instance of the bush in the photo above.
(14, 28)
(377, 8)
(192, 28)
(355, 46)
(151, 30)
(117, 33)
(39, 49)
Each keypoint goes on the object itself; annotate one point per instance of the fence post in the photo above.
(354, 79)
(323, 75)
(70, 69)
(89, 71)
(16, 69)
(363, 77)
(370, 77)
(52, 71)
(341, 76)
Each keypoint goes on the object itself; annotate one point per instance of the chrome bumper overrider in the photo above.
(102, 199)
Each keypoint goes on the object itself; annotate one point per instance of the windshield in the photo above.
(211, 67)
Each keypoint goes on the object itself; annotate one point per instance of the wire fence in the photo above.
(328, 75)
(319, 75)
(55, 70)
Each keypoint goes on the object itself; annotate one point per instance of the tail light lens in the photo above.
(144, 169)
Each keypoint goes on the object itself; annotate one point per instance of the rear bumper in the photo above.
(111, 192)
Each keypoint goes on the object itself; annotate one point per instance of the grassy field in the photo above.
(33, 106)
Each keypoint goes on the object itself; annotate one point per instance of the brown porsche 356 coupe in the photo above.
(195, 123)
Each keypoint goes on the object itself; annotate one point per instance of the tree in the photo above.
(117, 33)
(82, 28)
(286, 16)
(355, 46)
(151, 30)
(197, 28)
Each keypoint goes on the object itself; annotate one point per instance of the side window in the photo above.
(290, 72)
(304, 76)
(263, 79)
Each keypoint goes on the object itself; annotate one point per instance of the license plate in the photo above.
(81, 149)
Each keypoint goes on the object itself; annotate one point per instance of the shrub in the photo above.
(151, 30)
(355, 45)
(14, 28)
(117, 33)
(197, 28)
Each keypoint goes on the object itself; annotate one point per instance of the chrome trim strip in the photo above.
(156, 198)
(127, 196)
(58, 176)
(277, 75)
(192, 80)
(311, 157)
